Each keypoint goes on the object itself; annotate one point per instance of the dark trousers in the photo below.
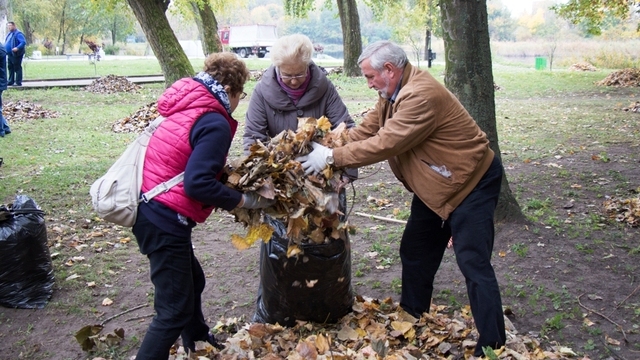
(179, 281)
(471, 224)
(14, 69)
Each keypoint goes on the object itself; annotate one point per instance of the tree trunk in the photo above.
(350, 21)
(173, 61)
(207, 27)
(4, 13)
(468, 74)
(114, 28)
(27, 29)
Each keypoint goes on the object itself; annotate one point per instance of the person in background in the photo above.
(4, 125)
(436, 149)
(292, 87)
(195, 138)
(15, 45)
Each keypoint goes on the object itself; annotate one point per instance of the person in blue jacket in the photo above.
(4, 126)
(15, 46)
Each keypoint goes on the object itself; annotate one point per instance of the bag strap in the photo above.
(163, 187)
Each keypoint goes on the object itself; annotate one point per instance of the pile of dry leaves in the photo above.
(624, 78)
(624, 210)
(111, 84)
(373, 330)
(137, 122)
(582, 67)
(23, 110)
(301, 201)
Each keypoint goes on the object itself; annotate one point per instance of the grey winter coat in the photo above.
(271, 111)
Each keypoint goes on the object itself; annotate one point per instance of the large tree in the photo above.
(350, 22)
(207, 26)
(352, 40)
(153, 20)
(469, 75)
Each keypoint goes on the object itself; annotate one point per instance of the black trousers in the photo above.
(471, 224)
(179, 281)
(14, 69)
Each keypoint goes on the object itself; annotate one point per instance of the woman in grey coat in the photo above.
(293, 86)
(296, 87)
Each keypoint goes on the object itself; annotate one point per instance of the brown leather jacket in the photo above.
(433, 145)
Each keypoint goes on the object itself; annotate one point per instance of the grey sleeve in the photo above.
(255, 124)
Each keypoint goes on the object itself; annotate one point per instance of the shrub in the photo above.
(111, 49)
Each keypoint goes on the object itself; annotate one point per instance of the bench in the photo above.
(89, 56)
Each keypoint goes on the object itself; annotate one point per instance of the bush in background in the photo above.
(111, 49)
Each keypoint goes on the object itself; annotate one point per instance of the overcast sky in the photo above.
(518, 7)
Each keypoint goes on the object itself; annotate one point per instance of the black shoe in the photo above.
(212, 340)
(9, 84)
(18, 84)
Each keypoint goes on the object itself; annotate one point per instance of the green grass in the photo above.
(57, 68)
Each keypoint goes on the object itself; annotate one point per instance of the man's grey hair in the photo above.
(381, 52)
(292, 49)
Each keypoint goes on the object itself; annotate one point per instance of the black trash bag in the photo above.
(314, 286)
(26, 270)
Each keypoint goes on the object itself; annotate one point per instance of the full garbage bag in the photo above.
(26, 269)
(314, 286)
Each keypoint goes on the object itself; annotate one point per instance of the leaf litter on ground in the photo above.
(375, 329)
(23, 110)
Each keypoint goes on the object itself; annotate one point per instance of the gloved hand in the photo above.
(316, 160)
(251, 200)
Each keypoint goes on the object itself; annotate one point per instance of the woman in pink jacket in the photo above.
(195, 138)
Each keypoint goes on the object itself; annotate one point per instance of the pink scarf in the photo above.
(295, 94)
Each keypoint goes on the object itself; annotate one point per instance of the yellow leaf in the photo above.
(612, 341)
(402, 326)
(324, 124)
(347, 333)
(293, 250)
(502, 253)
(261, 231)
(107, 302)
(322, 344)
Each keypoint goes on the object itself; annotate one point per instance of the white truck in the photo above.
(246, 40)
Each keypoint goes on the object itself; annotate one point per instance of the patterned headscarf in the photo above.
(215, 87)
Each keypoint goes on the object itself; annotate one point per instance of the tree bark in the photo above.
(350, 21)
(469, 75)
(207, 27)
(4, 13)
(173, 61)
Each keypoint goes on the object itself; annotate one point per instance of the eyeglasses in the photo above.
(243, 95)
(291, 77)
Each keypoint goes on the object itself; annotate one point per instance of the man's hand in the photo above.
(316, 161)
(251, 200)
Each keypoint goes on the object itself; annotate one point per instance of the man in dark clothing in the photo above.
(14, 45)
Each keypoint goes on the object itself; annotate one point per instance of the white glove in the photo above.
(251, 200)
(317, 160)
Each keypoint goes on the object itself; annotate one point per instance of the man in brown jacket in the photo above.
(439, 153)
